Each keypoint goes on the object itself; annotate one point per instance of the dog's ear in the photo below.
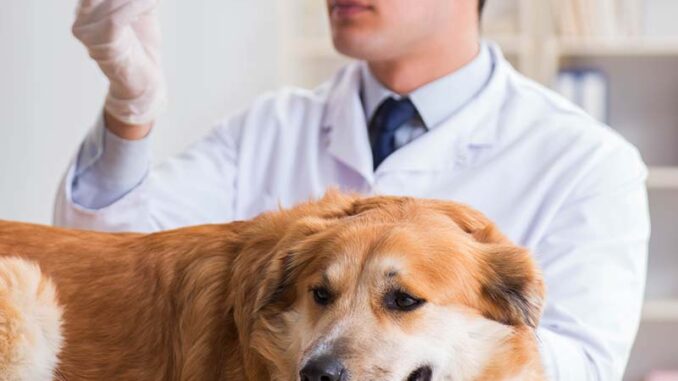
(287, 264)
(512, 286)
(473, 222)
(512, 289)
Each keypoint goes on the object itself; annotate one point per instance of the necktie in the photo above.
(390, 116)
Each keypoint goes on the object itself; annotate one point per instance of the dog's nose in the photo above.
(323, 368)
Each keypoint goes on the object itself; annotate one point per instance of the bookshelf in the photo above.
(640, 70)
(665, 311)
(617, 47)
(663, 178)
(643, 88)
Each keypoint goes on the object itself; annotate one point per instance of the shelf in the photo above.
(663, 178)
(661, 311)
(611, 47)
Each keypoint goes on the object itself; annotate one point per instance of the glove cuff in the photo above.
(143, 109)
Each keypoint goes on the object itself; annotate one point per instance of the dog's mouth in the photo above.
(425, 373)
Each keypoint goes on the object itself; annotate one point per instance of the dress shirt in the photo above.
(436, 101)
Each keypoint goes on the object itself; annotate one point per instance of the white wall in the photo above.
(219, 56)
(660, 17)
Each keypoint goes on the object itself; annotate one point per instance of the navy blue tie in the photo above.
(390, 116)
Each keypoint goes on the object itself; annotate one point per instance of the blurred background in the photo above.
(618, 59)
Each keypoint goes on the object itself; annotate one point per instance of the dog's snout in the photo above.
(323, 368)
(422, 374)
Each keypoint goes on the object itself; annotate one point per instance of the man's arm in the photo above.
(126, 131)
(123, 38)
(594, 258)
(194, 187)
(109, 166)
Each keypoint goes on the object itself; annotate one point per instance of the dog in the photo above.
(344, 288)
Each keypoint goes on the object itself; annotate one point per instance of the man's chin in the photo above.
(355, 47)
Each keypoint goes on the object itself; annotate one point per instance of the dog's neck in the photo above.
(204, 324)
(201, 277)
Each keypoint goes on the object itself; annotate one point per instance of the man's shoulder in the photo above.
(290, 107)
(565, 138)
(561, 142)
(300, 100)
(282, 117)
(549, 117)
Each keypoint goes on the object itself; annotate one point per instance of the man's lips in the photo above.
(349, 8)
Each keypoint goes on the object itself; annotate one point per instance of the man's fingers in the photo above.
(123, 37)
(118, 12)
(147, 29)
(102, 22)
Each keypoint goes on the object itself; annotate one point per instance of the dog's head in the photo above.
(393, 289)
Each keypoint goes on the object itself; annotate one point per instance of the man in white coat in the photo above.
(429, 110)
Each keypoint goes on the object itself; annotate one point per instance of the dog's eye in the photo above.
(322, 296)
(401, 301)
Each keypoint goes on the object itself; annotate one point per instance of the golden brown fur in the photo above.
(230, 302)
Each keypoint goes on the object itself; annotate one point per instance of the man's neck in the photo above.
(405, 74)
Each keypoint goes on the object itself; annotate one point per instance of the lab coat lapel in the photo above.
(475, 126)
(450, 144)
(345, 119)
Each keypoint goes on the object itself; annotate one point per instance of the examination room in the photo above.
(339, 190)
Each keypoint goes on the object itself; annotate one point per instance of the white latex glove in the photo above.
(123, 37)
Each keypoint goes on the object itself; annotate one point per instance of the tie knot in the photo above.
(391, 115)
(394, 113)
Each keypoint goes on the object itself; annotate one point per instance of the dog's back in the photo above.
(124, 299)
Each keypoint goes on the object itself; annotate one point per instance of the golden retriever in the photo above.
(345, 288)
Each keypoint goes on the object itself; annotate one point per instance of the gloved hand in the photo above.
(123, 37)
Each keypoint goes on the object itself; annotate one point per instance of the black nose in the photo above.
(323, 368)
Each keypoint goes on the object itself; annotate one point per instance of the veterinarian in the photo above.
(429, 110)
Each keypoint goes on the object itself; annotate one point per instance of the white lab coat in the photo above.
(552, 178)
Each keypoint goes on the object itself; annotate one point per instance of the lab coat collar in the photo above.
(474, 126)
(345, 120)
(436, 101)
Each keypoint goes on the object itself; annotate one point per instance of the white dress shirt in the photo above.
(456, 89)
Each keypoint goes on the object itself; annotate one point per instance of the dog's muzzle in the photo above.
(328, 368)
(425, 373)
(323, 368)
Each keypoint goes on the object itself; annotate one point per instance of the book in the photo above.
(588, 89)
(631, 13)
(598, 18)
(609, 21)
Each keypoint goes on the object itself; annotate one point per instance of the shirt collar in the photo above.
(438, 100)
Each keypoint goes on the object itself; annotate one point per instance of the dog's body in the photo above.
(265, 299)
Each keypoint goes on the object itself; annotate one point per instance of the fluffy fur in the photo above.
(235, 301)
(30, 322)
